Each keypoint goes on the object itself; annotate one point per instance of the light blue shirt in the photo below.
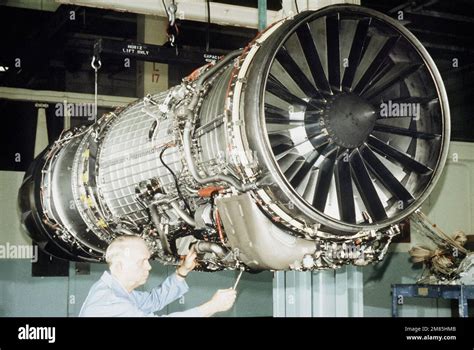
(108, 298)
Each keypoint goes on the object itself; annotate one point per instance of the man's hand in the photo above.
(223, 299)
(188, 264)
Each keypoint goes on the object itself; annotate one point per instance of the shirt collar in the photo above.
(111, 282)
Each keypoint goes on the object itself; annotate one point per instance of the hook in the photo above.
(96, 63)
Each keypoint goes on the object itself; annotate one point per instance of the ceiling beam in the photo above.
(43, 5)
(196, 10)
(48, 96)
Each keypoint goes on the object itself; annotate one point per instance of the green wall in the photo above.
(23, 296)
(396, 268)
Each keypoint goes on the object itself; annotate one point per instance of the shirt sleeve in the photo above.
(124, 308)
(171, 289)
(194, 312)
(117, 308)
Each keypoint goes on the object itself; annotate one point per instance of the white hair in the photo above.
(120, 248)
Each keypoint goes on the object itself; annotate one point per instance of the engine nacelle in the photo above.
(302, 151)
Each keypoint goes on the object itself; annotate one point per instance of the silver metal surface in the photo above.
(277, 157)
(238, 279)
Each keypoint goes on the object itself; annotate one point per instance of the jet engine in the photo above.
(304, 150)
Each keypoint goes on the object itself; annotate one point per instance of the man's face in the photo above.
(135, 265)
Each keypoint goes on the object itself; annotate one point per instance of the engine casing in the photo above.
(305, 150)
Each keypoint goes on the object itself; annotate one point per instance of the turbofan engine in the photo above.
(304, 150)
